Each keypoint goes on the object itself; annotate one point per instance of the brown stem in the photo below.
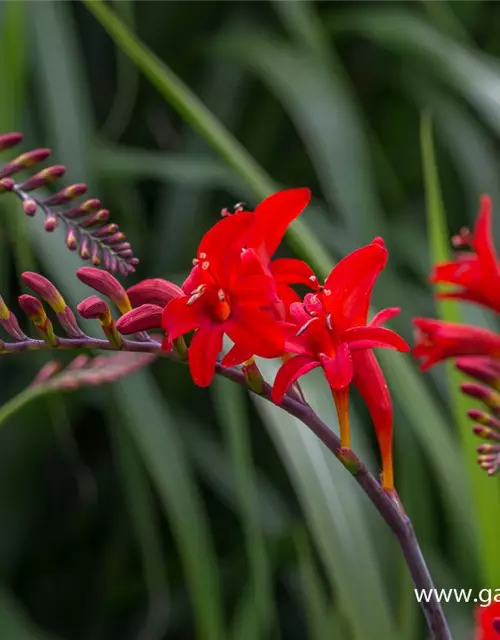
(386, 503)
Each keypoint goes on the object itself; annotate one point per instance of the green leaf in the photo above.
(469, 72)
(231, 410)
(15, 623)
(335, 510)
(155, 435)
(203, 121)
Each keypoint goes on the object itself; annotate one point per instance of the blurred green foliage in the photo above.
(150, 509)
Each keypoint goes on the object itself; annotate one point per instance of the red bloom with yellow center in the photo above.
(476, 273)
(488, 622)
(227, 292)
(262, 230)
(330, 329)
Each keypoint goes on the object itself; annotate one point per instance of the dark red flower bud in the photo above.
(154, 291)
(9, 140)
(143, 318)
(105, 283)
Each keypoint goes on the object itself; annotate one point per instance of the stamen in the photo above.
(195, 262)
(305, 326)
(329, 321)
(196, 294)
(327, 292)
(202, 256)
(221, 295)
(239, 207)
(205, 265)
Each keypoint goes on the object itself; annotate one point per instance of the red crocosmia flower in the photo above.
(331, 328)
(476, 274)
(263, 231)
(488, 622)
(437, 340)
(225, 293)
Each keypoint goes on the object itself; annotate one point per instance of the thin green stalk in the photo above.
(18, 402)
(181, 98)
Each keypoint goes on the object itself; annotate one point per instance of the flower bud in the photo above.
(155, 291)
(66, 195)
(9, 322)
(105, 283)
(24, 161)
(9, 140)
(143, 318)
(43, 177)
(6, 184)
(486, 395)
(83, 209)
(71, 238)
(106, 230)
(50, 221)
(94, 307)
(33, 308)
(30, 206)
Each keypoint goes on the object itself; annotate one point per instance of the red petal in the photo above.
(179, 317)
(255, 331)
(223, 243)
(338, 370)
(205, 346)
(483, 237)
(383, 316)
(257, 290)
(274, 214)
(143, 318)
(236, 355)
(288, 298)
(349, 286)
(153, 291)
(370, 337)
(293, 271)
(193, 281)
(288, 373)
(370, 382)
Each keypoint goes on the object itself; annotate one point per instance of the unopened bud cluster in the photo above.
(86, 223)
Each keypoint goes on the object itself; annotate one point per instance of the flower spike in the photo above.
(82, 223)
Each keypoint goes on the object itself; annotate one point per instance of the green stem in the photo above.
(193, 111)
(16, 403)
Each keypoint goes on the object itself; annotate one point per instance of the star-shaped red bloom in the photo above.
(331, 330)
(262, 230)
(476, 274)
(227, 292)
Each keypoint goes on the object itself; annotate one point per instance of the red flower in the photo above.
(226, 293)
(330, 330)
(476, 273)
(263, 231)
(488, 622)
(437, 340)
